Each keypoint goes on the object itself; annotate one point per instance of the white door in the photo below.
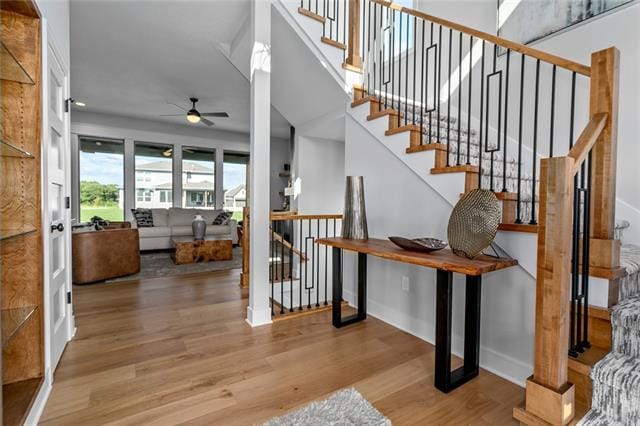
(56, 160)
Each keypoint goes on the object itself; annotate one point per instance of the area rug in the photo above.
(345, 407)
(159, 264)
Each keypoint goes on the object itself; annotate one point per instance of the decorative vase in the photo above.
(199, 227)
(354, 220)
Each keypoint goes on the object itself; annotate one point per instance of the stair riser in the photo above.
(616, 404)
(626, 341)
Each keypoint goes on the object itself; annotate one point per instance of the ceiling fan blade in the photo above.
(171, 115)
(214, 114)
(207, 122)
(177, 106)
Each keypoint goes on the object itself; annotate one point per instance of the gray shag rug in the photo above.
(345, 407)
(159, 264)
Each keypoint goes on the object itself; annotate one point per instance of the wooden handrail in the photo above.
(508, 44)
(587, 140)
(288, 245)
(282, 217)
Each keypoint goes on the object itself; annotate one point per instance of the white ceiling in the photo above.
(132, 57)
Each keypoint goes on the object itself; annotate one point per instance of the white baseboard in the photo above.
(40, 402)
(499, 364)
(256, 318)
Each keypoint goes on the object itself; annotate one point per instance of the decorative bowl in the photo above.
(418, 244)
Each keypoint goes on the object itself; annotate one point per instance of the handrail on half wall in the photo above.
(508, 44)
(587, 140)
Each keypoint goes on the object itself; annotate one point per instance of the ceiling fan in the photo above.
(194, 116)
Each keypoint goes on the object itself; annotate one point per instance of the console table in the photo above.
(446, 263)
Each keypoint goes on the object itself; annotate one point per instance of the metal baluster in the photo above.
(313, 252)
(574, 337)
(469, 101)
(326, 258)
(522, 61)
(439, 80)
(506, 112)
(406, 74)
(305, 267)
(399, 108)
(282, 235)
(423, 81)
(317, 264)
(415, 41)
(553, 109)
(459, 95)
(271, 268)
(290, 226)
(368, 57)
(491, 161)
(344, 29)
(427, 80)
(535, 145)
(481, 115)
(586, 237)
(449, 99)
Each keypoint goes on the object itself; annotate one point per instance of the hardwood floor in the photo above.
(177, 350)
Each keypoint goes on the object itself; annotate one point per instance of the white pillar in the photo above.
(129, 178)
(258, 311)
(176, 159)
(219, 172)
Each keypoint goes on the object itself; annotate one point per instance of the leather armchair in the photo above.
(100, 255)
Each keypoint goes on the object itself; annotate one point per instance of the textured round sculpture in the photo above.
(473, 223)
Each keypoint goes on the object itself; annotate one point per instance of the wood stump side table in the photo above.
(188, 250)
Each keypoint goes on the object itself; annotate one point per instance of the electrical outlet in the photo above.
(405, 284)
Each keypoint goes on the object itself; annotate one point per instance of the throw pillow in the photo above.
(143, 217)
(223, 218)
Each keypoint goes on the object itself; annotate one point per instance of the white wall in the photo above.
(319, 164)
(280, 154)
(399, 203)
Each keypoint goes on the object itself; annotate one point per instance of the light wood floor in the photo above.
(177, 350)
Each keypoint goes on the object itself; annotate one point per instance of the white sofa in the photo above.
(176, 222)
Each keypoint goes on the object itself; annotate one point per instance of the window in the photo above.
(235, 179)
(154, 175)
(198, 177)
(402, 31)
(101, 178)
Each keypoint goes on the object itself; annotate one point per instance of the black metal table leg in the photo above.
(338, 320)
(445, 379)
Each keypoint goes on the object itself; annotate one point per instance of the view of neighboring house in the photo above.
(236, 198)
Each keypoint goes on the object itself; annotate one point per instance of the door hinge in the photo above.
(68, 297)
(67, 202)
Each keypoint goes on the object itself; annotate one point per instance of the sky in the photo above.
(109, 169)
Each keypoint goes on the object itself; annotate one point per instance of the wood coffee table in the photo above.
(188, 250)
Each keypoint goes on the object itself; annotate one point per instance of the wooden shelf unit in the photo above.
(21, 257)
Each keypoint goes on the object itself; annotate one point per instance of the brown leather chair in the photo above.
(100, 255)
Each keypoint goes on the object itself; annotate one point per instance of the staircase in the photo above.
(457, 105)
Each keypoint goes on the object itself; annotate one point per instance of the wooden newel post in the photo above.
(353, 49)
(549, 396)
(603, 98)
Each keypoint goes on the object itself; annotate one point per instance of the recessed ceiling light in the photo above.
(80, 104)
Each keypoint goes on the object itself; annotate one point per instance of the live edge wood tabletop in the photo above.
(446, 263)
(442, 259)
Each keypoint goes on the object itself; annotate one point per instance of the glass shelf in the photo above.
(11, 68)
(12, 320)
(8, 150)
(5, 234)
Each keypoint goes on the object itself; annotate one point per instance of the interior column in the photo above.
(258, 311)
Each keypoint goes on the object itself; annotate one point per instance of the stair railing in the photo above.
(300, 276)
(430, 75)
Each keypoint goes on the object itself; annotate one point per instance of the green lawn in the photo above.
(113, 213)
(237, 216)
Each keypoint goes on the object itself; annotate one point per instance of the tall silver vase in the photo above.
(354, 221)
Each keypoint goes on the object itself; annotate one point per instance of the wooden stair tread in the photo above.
(311, 15)
(586, 360)
(426, 147)
(364, 100)
(333, 43)
(518, 227)
(401, 129)
(383, 113)
(350, 67)
(466, 168)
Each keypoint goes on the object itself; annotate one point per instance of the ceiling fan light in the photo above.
(193, 116)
